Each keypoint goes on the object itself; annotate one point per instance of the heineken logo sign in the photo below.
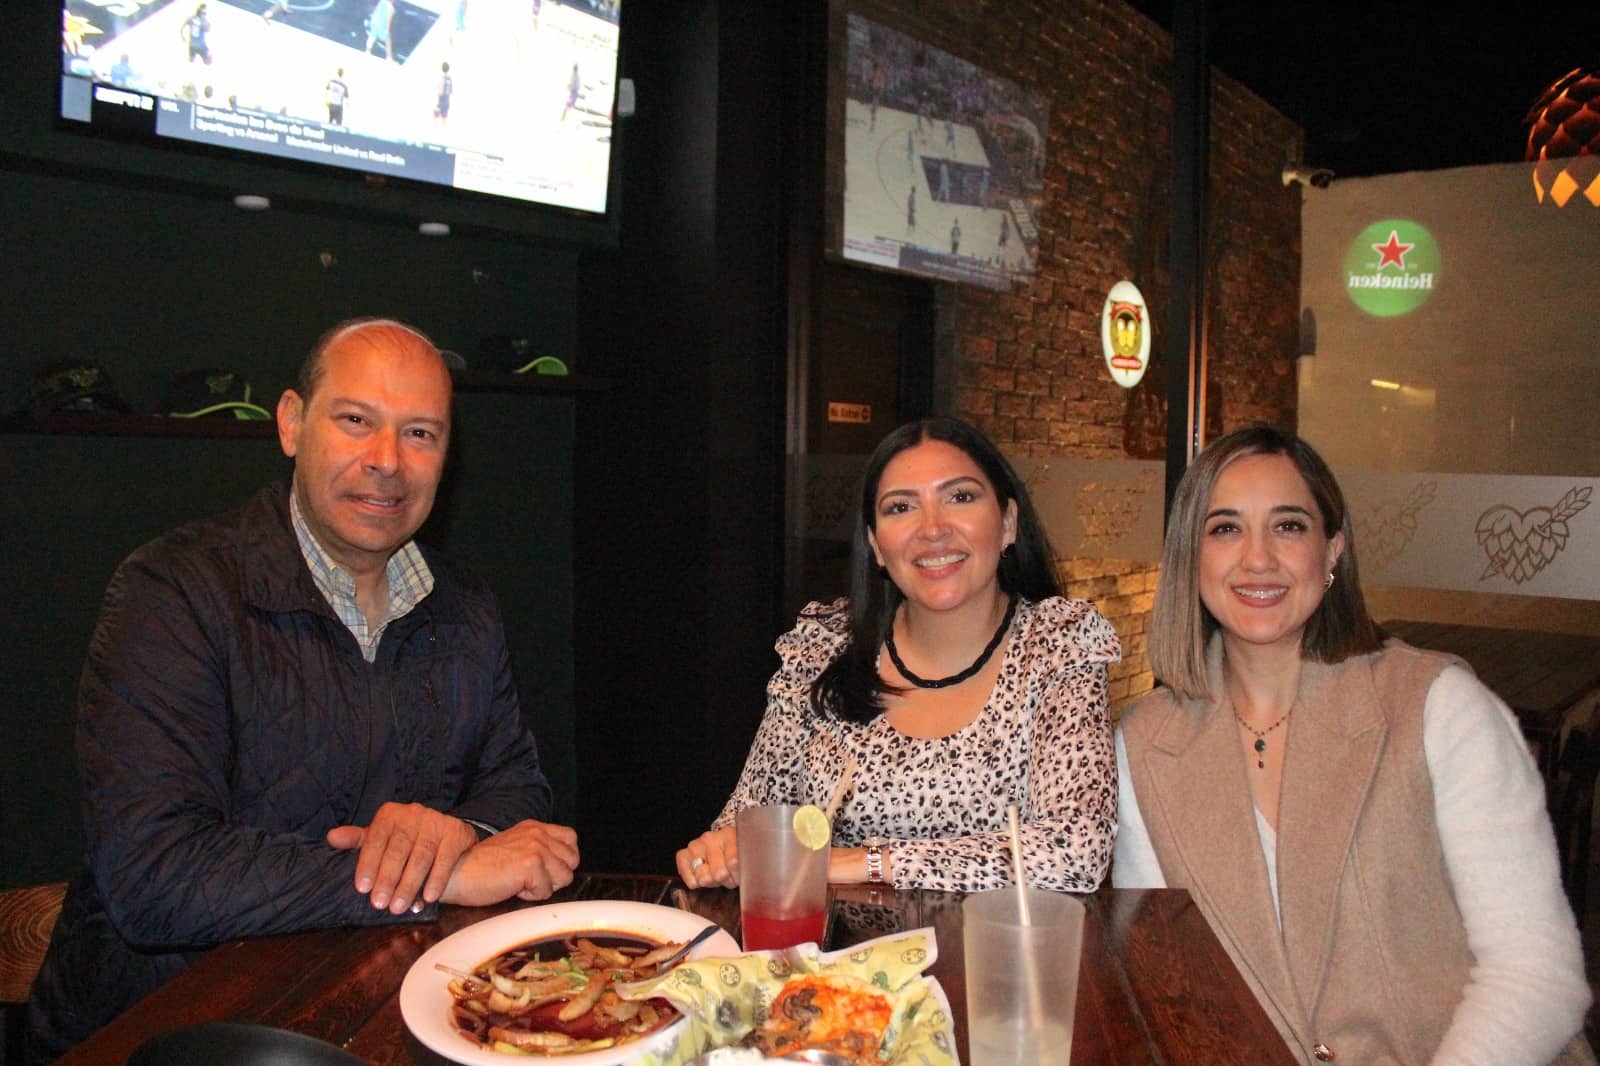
(1391, 267)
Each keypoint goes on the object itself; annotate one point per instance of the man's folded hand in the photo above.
(408, 853)
(530, 860)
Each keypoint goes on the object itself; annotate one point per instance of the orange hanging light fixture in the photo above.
(1564, 139)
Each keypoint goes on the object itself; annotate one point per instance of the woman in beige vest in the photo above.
(1360, 821)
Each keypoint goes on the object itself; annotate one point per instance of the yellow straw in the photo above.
(846, 776)
(792, 890)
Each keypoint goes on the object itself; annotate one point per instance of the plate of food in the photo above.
(537, 983)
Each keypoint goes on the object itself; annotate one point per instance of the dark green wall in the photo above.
(150, 283)
(634, 534)
(680, 471)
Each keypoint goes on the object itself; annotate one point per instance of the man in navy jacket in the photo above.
(293, 716)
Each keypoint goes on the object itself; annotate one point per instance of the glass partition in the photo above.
(1451, 377)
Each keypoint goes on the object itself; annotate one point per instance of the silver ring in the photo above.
(696, 862)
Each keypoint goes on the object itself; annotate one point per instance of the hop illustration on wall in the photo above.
(1386, 531)
(1519, 544)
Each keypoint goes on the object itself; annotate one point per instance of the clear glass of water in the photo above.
(1022, 976)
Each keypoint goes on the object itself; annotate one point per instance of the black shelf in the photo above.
(470, 380)
(98, 425)
(92, 425)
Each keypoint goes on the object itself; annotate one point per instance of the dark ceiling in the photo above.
(1381, 88)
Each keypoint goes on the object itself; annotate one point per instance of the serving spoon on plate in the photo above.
(699, 938)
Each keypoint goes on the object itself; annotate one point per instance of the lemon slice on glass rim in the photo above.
(811, 826)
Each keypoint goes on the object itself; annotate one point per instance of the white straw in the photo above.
(1030, 964)
(1017, 873)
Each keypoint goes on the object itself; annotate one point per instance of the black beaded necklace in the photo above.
(953, 679)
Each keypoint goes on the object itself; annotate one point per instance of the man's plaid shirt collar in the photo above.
(409, 581)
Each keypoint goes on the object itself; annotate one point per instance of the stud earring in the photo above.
(1328, 584)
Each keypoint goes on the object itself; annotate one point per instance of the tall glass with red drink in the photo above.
(783, 885)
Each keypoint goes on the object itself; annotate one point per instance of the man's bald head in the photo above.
(379, 332)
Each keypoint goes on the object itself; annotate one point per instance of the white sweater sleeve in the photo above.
(1133, 863)
(1527, 993)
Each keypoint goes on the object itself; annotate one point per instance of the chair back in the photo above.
(1571, 794)
(27, 915)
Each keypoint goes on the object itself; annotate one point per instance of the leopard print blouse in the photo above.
(1043, 741)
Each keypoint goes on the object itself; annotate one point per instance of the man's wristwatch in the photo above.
(875, 846)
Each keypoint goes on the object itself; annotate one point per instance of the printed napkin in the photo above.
(725, 998)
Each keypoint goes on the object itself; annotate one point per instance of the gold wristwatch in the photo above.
(875, 846)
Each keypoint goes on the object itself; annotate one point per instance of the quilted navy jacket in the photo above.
(227, 721)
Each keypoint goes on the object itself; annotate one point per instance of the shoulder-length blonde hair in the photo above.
(1180, 624)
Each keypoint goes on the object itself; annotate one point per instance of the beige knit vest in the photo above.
(1372, 955)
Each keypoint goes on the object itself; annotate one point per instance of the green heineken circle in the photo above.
(1391, 268)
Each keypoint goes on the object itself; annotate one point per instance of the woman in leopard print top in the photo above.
(949, 563)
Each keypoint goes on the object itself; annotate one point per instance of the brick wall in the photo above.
(1027, 366)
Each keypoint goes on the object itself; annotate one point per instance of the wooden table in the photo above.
(1539, 675)
(1156, 985)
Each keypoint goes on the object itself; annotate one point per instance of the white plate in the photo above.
(425, 993)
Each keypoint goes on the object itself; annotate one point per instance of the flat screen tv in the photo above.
(510, 100)
(936, 165)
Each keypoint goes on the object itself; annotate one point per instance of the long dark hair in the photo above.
(1180, 625)
(850, 687)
